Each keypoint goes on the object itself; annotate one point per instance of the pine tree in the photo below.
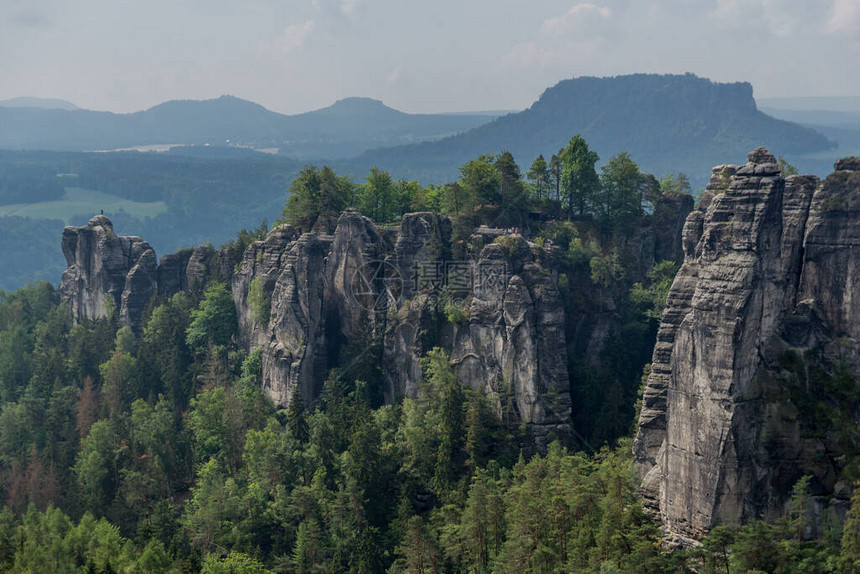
(579, 181)
(296, 421)
(539, 176)
(849, 556)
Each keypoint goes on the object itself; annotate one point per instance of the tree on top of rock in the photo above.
(579, 181)
(315, 192)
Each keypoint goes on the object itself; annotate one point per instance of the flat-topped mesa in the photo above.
(768, 274)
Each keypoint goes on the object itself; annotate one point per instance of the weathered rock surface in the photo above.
(123, 270)
(303, 298)
(106, 270)
(324, 289)
(768, 276)
(189, 270)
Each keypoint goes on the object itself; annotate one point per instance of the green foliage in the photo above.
(675, 184)
(622, 193)
(785, 168)
(316, 192)
(96, 466)
(165, 355)
(849, 555)
(607, 269)
(509, 243)
(539, 177)
(261, 306)
(214, 320)
(378, 197)
(456, 311)
(480, 181)
(579, 181)
(512, 192)
(233, 563)
(652, 299)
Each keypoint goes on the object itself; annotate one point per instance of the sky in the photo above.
(431, 56)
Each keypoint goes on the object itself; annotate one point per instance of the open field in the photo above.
(78, 201)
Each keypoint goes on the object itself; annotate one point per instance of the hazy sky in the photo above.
(428, 56)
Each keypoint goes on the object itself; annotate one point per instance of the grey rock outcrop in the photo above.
(768, 275)
(513, 348)
(104, 270)
(323, 289)
(189, 270)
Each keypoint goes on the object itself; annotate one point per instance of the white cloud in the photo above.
(576, 34)
(296, 35)
(573, 18)
(338, 8)
(844, 16)
(394, 76)
(347, 7)
(780, 18)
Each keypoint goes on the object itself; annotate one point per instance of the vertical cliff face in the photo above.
(107, 270)
(513, 347)
(508, 341)
(767, 275)
(190, 270)
(303, 298)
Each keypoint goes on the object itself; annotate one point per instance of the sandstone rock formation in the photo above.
(106, 270)
(109, 270)
(305, 300)
(760, 316)
(190, 270)
(323, 289)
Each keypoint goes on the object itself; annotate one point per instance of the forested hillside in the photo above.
(201, 199)
(158, 451)
(669, 123)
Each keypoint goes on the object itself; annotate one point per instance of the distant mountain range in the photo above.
(43, 103)
(838, 118)
(346, 128)
(668, 123)
(825, 103)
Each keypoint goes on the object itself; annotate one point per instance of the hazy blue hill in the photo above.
(70, 130)
(44, 103)
(353, 125)
(825, 103)
(838, 118)
(668, 123)
(207, 121)
(347, 128)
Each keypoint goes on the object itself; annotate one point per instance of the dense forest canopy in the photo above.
(158, 451)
